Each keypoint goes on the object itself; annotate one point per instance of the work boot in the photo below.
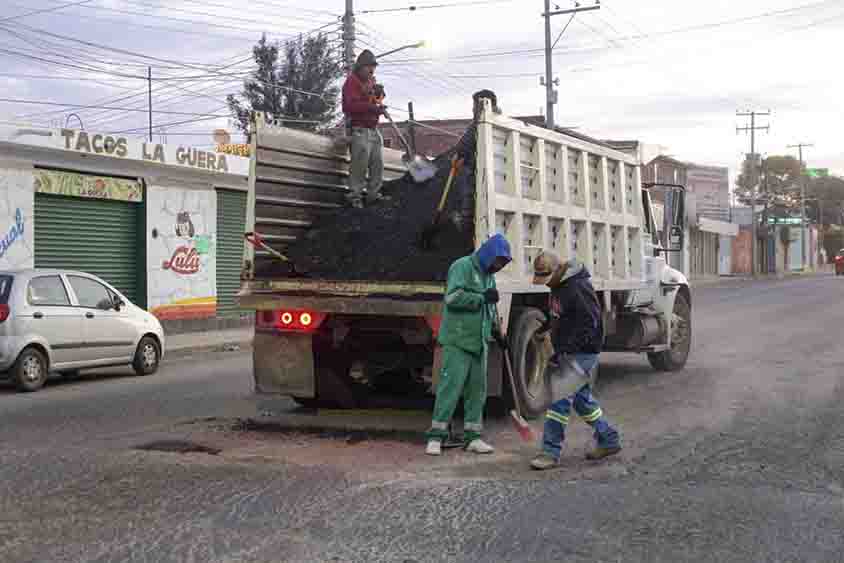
(435, 447)
(544, 461)
(478, 446)
(601, 452)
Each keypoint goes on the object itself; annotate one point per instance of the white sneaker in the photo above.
(478, 446)
(435, 447)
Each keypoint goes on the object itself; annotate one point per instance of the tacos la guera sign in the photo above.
(121, 147)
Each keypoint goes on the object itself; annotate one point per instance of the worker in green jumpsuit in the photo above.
(469, 323)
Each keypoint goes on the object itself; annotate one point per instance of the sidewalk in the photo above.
(187, 344)
(717, 280)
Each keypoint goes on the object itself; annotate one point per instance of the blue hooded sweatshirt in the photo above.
(467, 317)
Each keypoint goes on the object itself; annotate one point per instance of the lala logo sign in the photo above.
(185, 260)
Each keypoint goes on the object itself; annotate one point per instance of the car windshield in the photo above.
(5, 288)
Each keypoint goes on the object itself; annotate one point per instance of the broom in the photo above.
(521, 425)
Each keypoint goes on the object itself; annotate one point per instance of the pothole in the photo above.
(178, 447)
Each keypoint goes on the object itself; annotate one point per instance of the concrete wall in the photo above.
(741, 258)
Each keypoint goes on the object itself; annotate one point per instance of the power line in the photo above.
(417, 7)
(45, 10)
(636, 37)
(82, 106)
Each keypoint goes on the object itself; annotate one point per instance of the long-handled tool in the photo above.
(428, 234)
(419, 167)
(521, 425)
(257, 241)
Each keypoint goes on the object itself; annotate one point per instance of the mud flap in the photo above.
(284, 364)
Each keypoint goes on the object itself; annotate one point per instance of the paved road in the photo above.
(738, 458)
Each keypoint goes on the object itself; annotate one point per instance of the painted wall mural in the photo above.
(16, 210)
(181, 250)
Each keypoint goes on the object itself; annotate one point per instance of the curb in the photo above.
(183, 352)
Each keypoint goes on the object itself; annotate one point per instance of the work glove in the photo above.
(544, 328)
(500, 339)
(379, 91)
(491, 295)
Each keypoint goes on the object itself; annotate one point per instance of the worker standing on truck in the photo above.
(466, 150)
(469, 322)
(576, 327)
(362, 104)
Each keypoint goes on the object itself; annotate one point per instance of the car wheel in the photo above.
(31, 370)
(147, 356)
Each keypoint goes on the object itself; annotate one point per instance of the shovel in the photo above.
(430, 231)
(419, 167)
(257, 241)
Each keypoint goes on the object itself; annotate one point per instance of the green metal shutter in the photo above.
(231, 223)
(101, 237)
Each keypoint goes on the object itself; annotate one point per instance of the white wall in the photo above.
(16, 212)
(181, 251)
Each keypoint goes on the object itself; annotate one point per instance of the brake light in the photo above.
(4, 313)
(839, 258)
(294, 321)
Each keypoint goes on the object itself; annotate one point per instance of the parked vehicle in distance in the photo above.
(839, 263)
(64, 321)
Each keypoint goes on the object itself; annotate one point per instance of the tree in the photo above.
(300, 91)
(778, 176)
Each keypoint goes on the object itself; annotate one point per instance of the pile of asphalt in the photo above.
(382, 241)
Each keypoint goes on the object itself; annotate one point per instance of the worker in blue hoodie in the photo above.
(469, 323)
(577, 334)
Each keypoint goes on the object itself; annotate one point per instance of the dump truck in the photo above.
(338, 342)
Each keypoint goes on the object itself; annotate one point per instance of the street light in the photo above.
(419, 45)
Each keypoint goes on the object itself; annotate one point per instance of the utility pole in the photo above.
(803, 178)
(549, 82)
(753, 178)
(349, 36)
(411, 128)
(149, 94)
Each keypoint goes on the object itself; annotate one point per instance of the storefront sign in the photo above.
(84, 185)
(126, 148)
(13, 234)
(236, 149)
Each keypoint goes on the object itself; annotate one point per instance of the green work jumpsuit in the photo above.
(465, 333)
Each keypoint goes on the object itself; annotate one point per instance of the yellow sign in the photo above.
(236, 149)
(83, 185)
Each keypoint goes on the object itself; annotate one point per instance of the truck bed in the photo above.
(348, 297)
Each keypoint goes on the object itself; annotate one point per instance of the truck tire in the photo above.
(529, 356)
(681, 338)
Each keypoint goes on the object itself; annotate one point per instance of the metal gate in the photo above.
(98, 236)
(231, 221)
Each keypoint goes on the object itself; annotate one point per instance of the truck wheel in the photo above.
(681, 339)
(529, 354)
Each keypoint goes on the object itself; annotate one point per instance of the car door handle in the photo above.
(38, 315)
(89, 315)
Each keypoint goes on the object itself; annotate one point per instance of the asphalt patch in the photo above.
(351, 437)
(383, 241)
(178, 447)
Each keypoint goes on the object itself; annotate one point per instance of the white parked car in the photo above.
(63, 321)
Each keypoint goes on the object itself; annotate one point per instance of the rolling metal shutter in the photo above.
(97, 236)
(231, 224)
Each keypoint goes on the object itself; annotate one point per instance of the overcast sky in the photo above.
(671, 73)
